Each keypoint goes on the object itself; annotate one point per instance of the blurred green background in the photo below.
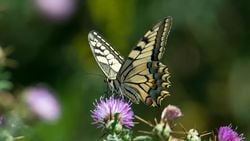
(208, 55)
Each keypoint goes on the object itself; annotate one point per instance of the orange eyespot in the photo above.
(149, 101)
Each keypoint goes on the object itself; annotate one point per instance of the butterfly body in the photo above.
(141, 77)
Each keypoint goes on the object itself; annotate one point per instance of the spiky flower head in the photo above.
(110, 110)
(226, 133)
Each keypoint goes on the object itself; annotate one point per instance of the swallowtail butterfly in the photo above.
(141, 76)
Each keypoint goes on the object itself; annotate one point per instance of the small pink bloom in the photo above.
(56, 9)
(171, 112)
(42, 102)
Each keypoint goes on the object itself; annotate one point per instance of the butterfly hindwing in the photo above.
(106, 57)
(142, 76)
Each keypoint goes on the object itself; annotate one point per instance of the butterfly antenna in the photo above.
(95, 74)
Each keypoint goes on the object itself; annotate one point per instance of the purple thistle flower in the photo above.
(226, 133)
(42, 102)
(107, 108)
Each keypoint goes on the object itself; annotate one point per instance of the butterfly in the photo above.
(141, 76)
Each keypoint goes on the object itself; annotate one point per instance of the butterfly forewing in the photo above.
(142, 76)
(152, 46)
(106, 57)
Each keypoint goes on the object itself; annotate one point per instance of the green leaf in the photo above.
(5, 136)
(5, 85)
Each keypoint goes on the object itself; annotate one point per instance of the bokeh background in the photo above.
(207, 53)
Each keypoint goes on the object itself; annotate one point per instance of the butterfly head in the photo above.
(111, 84)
